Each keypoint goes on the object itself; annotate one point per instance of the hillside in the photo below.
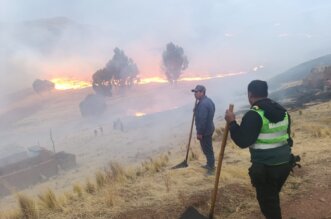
(315, 87)
(152, 190)
(298, 72)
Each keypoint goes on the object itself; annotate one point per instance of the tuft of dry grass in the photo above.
(89, 187)
(100, 179)
(317, 131)
(77, 189)
(49, 201)
(182, 198)
(193, 155)
(109, 198)
(11, 214)
(69, 196)
(167, 181)
(218, 134)
(116, 172)
(155, 165)
(27, 206)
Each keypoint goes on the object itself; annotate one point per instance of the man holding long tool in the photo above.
(204, 115)
(265, 129)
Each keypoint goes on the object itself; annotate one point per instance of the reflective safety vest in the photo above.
(272, 135)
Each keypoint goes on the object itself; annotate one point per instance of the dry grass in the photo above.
(154, 165)
(27, 206)
(317, 131)
(193, 155)
(116, 172)
(218, 134)
(11, 214)
(152, 187)
(167, 181)
(89, 187)
(109, 198)
(49, 201)
(77, 189)
(100, 179)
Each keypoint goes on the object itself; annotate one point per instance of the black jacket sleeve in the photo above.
(247, 132)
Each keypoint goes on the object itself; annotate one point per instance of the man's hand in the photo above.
(199, 137)
(229, 116)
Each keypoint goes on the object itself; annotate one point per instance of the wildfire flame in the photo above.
(139, 114)
(152, 80)
(163, 80)
(66, 84)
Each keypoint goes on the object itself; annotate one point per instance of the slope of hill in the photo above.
(152, 190)
(298, 72)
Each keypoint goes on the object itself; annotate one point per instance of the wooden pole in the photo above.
(219, 166)
(190, 137)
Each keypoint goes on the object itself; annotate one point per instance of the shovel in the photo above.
(219, 166)
(184, 163)
(191, 212)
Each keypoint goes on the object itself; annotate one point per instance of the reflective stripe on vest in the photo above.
(272, 135)
(268, 146)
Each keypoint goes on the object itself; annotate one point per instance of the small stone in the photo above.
(322, 199)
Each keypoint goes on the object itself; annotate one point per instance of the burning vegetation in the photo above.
(66, 84)
(174, 62)
(120, 71)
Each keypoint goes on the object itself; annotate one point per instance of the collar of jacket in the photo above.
(256, 103)
(202, 98)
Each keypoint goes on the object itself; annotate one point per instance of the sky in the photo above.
(218, 36)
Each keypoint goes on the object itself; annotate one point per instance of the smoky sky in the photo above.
(217, 36)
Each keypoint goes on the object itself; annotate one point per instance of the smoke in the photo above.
(120, 71)
(47, 48)
(174, 62)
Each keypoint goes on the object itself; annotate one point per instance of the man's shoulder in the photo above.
(206, 101)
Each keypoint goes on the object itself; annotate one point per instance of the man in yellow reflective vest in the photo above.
(265, 130)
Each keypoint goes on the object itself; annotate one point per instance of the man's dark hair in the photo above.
(258, 88)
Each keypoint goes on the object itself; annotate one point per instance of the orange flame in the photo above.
(193, 78)
(139, 114)
(152, 80)
(66, 84)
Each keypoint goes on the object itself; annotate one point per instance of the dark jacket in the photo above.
(248, 131)
(204, 115)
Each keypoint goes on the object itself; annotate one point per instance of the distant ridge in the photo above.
(298, 72)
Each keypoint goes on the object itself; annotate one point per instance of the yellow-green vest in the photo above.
(272, 135)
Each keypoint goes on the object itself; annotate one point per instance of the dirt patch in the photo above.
(314, 201)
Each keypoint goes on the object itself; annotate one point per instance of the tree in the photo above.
(92, 105)
(174, 62)
(40, 86)
(120, 71)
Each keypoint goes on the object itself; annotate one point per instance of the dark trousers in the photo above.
(207, 148)
(268, 181)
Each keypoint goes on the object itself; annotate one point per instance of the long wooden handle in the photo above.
(190, 137)
(219, 166)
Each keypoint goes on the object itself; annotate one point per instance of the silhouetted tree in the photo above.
(92, 105)
(174, 62)
(40, 86)
(120, 71)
